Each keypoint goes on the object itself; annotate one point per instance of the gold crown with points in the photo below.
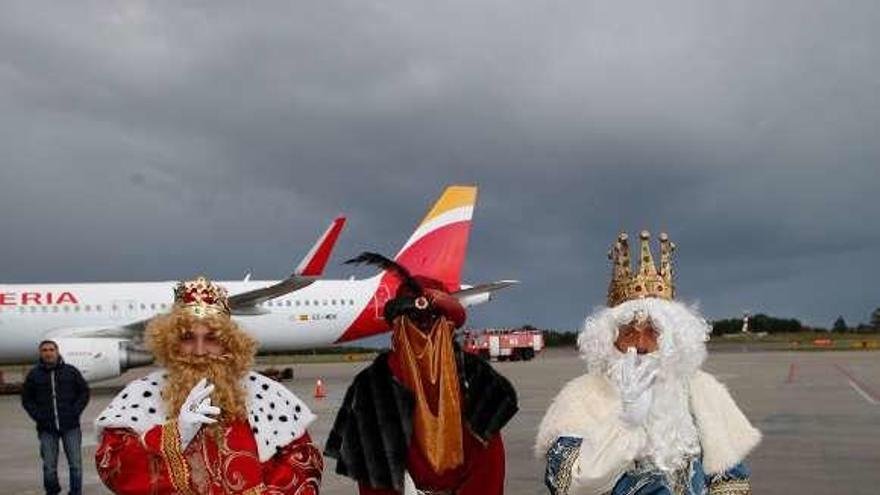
(201, 297)
(648, 281)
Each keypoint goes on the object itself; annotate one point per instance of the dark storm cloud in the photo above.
(154, 140)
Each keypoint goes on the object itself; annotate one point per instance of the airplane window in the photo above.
(288, 303)
(21, 309)
(88, 307)
(324, 302)
(66, 308)
(306, 302)
(131, 306)
(114, 307)
(98, 307)
(33, 309)
(143, 306)
(333, 302)
(351, 302)
(315, 302)
(297, 303)
(153, 306)
(162, 305)
(76, 308)
(44, 308)
(54, 309)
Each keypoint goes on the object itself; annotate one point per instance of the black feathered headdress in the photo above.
(387, 264)
(411, 298)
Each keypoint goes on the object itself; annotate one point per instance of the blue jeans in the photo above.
(72, 441)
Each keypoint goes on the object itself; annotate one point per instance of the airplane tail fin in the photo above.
(315, 260)
(437, 247)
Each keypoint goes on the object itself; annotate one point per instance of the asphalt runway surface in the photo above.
(819, 413)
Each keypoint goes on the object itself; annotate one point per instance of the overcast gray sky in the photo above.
(153, 140)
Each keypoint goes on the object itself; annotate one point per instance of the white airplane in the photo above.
(99, 326)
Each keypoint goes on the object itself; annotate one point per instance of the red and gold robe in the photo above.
(481, 469)
(481, 474)
(220, 460)
(371, 444)
(268, 453)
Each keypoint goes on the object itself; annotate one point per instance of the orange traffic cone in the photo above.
(320, 393)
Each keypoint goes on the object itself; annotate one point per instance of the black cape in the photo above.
(371, 435)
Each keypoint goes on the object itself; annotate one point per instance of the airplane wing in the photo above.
(309, 269)
(478, 294)
(132, 330)
(246, 303)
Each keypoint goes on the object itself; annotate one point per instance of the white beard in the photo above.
(672, 434)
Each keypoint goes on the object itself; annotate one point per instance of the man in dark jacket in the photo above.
(54, 395)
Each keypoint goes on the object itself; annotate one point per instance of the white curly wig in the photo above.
(672, 435)
(682, 335)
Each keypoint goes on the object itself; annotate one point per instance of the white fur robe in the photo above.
(589, 407)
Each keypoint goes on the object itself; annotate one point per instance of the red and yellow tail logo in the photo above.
(437, 247)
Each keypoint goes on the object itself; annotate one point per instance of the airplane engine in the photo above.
(102, 358)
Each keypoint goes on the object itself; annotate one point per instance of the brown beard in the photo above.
(163, 338)
(184, 372)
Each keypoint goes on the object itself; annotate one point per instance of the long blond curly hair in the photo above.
(163, 338)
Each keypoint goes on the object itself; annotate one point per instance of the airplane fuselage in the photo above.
(324, 313)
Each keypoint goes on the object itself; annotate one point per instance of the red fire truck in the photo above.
(509, 344)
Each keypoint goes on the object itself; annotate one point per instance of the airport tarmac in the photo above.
(819, 412)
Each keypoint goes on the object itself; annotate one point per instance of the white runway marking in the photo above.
(861, 392)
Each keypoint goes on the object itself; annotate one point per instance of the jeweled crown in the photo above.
(649, 281)
(201, 297)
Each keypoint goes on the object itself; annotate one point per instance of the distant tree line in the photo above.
(554, 338)
(873, 324)
(764, 323)
(758, 323)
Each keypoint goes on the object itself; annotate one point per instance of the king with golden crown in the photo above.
(645, 419)
(205, 424)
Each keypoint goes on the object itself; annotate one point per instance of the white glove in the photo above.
(635, 381)
(195, 412)
(409, 486)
